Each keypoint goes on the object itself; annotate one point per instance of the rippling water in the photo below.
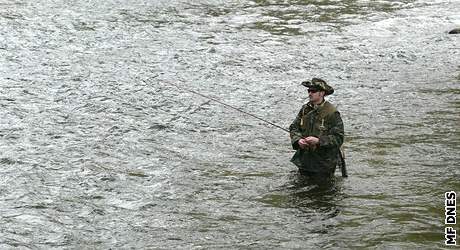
(99, 150)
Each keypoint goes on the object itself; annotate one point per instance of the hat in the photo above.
(318, 84)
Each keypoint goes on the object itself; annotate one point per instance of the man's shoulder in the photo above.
(306, 106)
(329, 108)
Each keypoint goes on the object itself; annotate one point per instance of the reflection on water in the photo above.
(299, 17)
(316, 205)
(312, 195)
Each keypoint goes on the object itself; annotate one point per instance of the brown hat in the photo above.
(318, 84)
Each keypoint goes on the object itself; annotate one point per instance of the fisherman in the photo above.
(317, 132)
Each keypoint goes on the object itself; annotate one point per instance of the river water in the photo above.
(98, 150)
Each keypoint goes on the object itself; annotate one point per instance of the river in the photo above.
(99, 150)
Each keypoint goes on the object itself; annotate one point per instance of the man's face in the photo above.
(315, 95)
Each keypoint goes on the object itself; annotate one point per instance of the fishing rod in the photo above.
(227, 105)
(340, 153)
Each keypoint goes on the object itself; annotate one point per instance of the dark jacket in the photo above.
(324, 122)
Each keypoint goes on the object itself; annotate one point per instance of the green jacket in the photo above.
(324, 122)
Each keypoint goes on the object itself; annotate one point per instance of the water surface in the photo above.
(99, 150)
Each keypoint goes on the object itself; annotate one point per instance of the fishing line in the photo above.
(225, 104)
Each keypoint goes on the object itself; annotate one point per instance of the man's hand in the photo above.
(312, 141)
(303, 143)
(308, 142)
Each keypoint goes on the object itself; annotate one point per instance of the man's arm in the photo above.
(334, 136)
(295, 132)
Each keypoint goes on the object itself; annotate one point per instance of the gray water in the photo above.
(99, 151)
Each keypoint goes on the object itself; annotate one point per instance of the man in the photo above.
(317, 132)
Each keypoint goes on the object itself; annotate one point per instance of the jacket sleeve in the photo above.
(335, 135)
(295, 132)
